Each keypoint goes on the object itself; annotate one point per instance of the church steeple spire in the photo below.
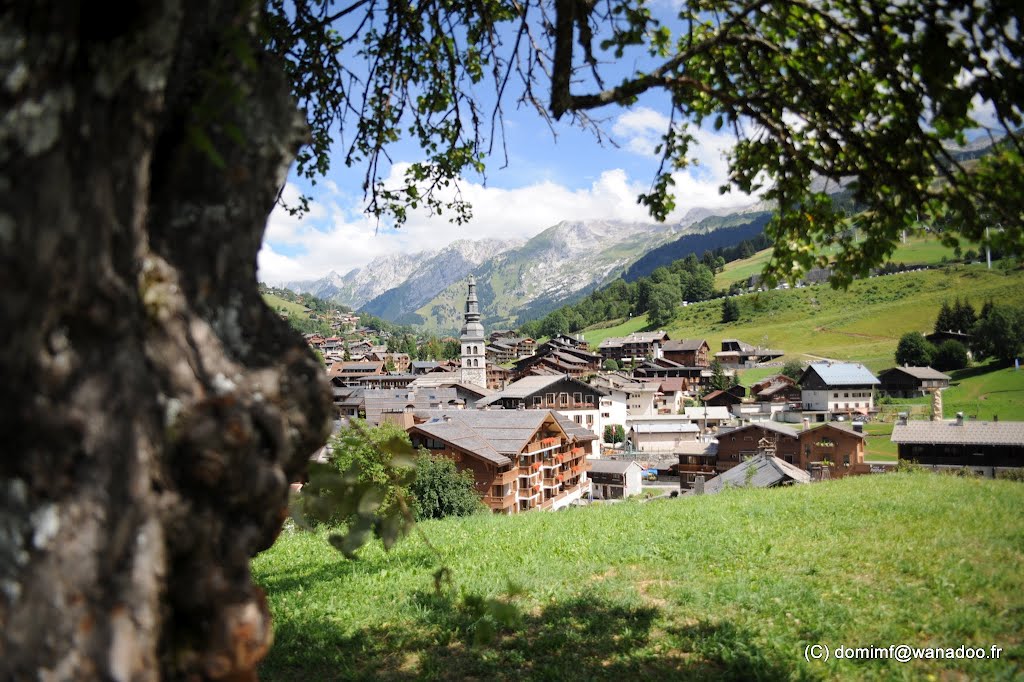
(474, 362)
(472, 307)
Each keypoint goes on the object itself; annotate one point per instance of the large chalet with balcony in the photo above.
(831, 388)
(574, 399)
(520, 459)
(688, 352)
(634, 348)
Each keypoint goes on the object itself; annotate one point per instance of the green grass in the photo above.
(862, 324)
(595, 335)
(879, 447)
(733, 586)
(276, 302)
(918, 250)
(985, 393)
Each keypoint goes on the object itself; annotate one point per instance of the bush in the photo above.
(914, 350)
(950, 355)
(610, 365)
(1011, 475)
(440, 490)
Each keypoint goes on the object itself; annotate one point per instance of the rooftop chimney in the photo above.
(959, 418)
(902, 418)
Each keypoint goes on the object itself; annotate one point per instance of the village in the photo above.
(549, 425)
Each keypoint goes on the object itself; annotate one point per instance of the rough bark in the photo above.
(153, 409)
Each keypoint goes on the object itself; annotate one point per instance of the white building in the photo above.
(837, 387)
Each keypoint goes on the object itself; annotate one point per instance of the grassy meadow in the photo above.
(917, 250)
(276, 302)
(733, 586)
(862, 324)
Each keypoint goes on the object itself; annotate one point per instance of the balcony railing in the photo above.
(505, 477)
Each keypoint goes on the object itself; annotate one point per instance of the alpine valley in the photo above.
(519, 281)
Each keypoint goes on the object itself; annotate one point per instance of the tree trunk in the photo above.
(153, 409)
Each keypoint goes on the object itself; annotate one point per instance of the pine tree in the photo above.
(945, 320)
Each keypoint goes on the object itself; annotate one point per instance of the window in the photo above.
(589, 400)
(536, 401)
(563, 398)
(549, 398)
(846, 395)
(578, 418)
(577, 398)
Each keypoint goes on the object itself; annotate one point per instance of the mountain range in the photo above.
(519, 280)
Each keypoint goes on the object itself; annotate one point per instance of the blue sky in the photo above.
(548, 178)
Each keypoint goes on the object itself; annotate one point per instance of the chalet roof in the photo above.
(923, 373)
(379, 401)
(494, 434)
(635, 337)
(347, 368)
(837, 426)
(673, 384)
(742, 345)
(665, 427)
(768, 472)
(841, 373)
(711, 412)
(424, 364)
(716, 394)
(529, 385)
(445, 380)
(953, 433)
(611, 466)
(683, 344)
(464, 437)
(774, 427)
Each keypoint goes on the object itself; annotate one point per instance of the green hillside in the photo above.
(863, 323)
(278, 303)
(734, 586)
(917, 250)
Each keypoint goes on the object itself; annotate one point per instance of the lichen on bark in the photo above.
(154, 409)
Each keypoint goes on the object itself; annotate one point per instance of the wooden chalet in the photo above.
(911, 382)
(688, 352)
(520, 459)
(982, 445)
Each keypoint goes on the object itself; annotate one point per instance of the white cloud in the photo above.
(641, 130)
(336, 236)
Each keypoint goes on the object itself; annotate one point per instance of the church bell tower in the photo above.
(474, 363)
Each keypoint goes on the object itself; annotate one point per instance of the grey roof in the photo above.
(378, 401)
(843, 373)
(665, 427)
(952, 433)
(768, 472)
(839, 427)
(683, 344)
(920, 372)
(770, 426)
(635, 337)
(504, 432)
(712, 412)
(611, 466)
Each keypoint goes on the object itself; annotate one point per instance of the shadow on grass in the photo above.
(579, 639)
(969, 372)
(297, 576)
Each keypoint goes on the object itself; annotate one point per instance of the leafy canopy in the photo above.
(862, 94)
